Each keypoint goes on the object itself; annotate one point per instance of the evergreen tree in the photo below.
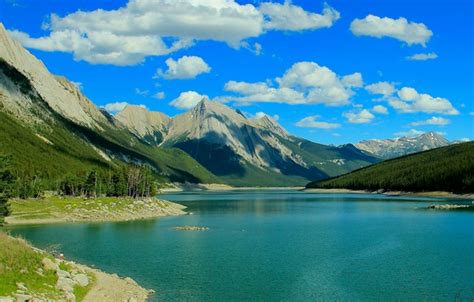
(6, 185)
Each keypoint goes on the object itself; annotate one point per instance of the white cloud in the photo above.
(116, 107)
(256, 48)
(435, 120)
(411, 101)
(159, 95)
(142, 92)
(380, 109)
(360, 117)
(186, 67)
(471, 113)
(287, 16)
(353, 80)
(246, 88)
(383, 88)
(422, 56)
(409, 133)
(400, 29)
(322, 84)
(187, 100)
(143, 28)
(312, 122)
(302, 83)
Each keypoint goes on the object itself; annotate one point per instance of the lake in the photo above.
(282, 245)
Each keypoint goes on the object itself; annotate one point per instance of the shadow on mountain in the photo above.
(220, 159)
(182, 176)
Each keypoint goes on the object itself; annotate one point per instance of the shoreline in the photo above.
(222, 188)
(69, 276)
(433, 194)
(91, 210)
(190, 187)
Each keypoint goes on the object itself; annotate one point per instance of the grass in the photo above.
(20, 263)
(57, 206)
(60, 207)
(80, 292)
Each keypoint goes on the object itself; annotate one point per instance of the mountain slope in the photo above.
(243, 151)
(49, 128)
(448, 168)
(390, 148)
(150, 126)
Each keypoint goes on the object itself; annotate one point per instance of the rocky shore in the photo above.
(63, 210)
(31, 274)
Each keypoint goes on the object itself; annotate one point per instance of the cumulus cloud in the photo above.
(353, 80)
(359, 117)
(312, 122)
(400, 29)
(383, 88)
(409, 133)
(143, 28)
(186, 67)
(435, 120)
(287, 16)
(114, 108)
(410, 101)
(423, 56)
(302, 83)
(379, 109)
(187, 100)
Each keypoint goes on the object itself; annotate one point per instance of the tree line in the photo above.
(125, 181)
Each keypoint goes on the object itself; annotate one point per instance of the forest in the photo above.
(449, 169)
(123, 181)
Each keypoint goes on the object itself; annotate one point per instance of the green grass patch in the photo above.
(80, 292)
(19, 263)
(58, 206)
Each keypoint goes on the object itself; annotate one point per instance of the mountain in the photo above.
(49, 129)
(242, 151)
(390, 148)
(149, 126)
(449, 168)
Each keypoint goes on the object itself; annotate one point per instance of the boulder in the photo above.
(81, 279)
(49, 265)
(65, 284)
(22, 297)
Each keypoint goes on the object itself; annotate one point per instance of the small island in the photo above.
(191, 228)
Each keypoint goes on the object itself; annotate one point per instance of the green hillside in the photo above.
(50, 146)
(449, 169)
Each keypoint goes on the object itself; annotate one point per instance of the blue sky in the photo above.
(286, 60)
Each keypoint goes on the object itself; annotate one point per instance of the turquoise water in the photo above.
(284, 246)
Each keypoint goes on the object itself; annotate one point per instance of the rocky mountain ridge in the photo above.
(390, 148)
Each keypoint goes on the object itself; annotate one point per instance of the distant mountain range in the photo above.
(50, 129)
(449, 168)
(390, 148)
(239, 150)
